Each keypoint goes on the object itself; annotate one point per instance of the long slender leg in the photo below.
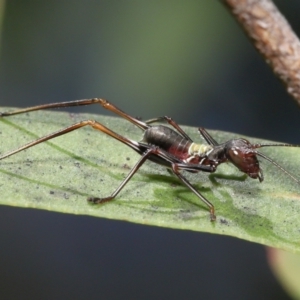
(81, 102)
(53, 105)
(189, 185)
(172, 123)
(96, 125)
(209, 139)
(175, 169)
(196, 167)
(144, 157)
(114, 109)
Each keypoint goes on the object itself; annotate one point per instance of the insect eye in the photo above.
(235, 156)
(234, 152)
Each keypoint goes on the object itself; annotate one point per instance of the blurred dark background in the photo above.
(186, 59)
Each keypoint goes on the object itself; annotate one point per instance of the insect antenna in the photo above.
(274, 162)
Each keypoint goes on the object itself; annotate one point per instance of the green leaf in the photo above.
(60, 174)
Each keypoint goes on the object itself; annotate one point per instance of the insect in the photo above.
(170, 147)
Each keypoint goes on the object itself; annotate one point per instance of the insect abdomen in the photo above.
(168, 140)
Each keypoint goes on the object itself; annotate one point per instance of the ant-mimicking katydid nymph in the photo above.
(170, 147)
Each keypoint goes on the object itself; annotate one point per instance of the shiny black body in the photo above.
(165, 138)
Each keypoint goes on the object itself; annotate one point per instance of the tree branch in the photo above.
(273, 38)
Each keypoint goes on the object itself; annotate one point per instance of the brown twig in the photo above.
(273, 37)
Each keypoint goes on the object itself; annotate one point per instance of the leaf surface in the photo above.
(60, 174)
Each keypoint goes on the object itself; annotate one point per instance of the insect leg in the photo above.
(144, 157)
(189, 185)
(107, 105)
(196, 167)
(209, 139)
(175, 169)
(81, 102)
(96, 125)
(52, 105)
(172, 123)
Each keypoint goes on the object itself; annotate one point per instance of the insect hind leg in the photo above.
(103, 102)
(107, 105)
(94, 124)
